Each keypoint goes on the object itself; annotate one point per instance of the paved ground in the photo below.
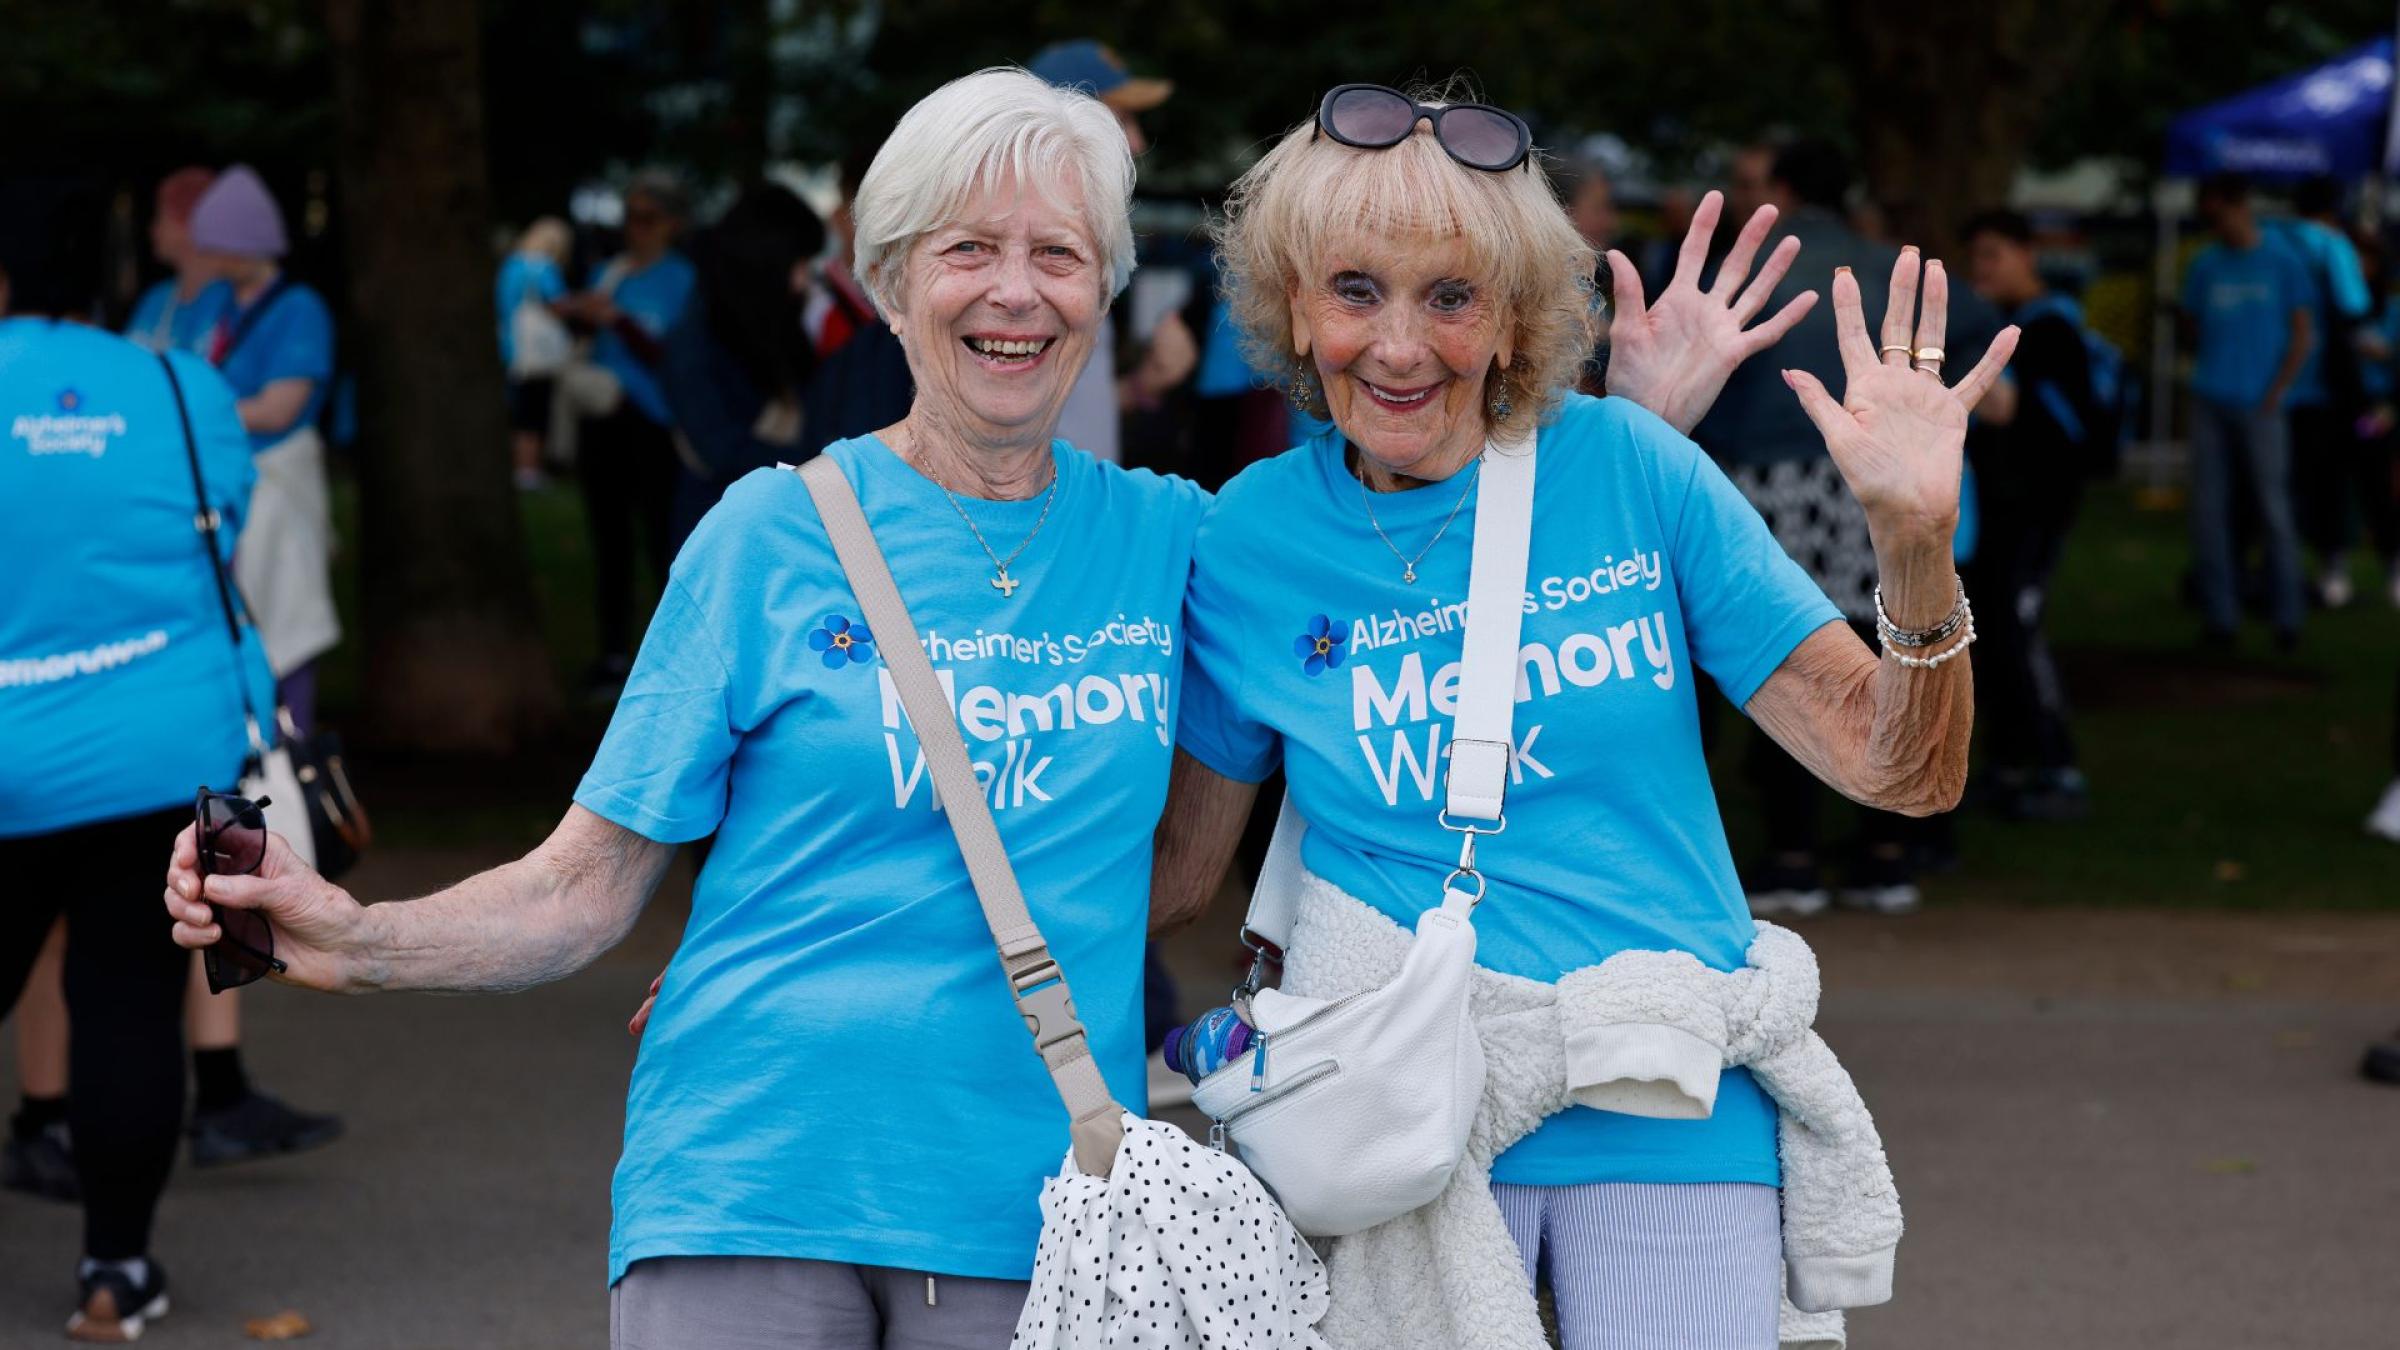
(2111, 1130)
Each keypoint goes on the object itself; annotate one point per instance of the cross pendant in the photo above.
(1006, 585)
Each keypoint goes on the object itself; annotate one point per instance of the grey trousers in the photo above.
(2231, 442)
(776, 1303)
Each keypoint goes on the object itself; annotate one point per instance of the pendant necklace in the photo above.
(1001, 581)
(1408, 565)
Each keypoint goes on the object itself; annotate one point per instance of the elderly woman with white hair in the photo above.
(834, 1135)
(1422, 287)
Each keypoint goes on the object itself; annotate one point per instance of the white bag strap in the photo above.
(1482, 741)
(1034, 979)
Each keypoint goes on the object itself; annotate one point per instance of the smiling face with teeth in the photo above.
(1403, 334)
(999, 309)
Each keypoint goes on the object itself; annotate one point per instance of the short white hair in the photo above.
(967, 136)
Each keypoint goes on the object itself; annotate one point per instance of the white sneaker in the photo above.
(2334, 589)
(1901, 897)
(2384, 821)
(1790, 902)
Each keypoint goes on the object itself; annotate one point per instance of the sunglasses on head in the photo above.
(1378, 117)
(231, 835)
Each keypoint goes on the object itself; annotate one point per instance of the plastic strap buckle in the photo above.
(1047, 1006)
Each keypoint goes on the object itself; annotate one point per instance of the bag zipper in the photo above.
(1311, 1075)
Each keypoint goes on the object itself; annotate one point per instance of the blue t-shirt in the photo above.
(161, 322)
(523, 276)
(653, 298)
(2337, 290)
(119, 687)
(290, 339)
(2241, 301)
(834, 1069)
(1646, 562)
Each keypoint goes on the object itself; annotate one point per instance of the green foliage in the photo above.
(86, 86)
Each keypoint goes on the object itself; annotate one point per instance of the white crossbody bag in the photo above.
(1355, 1110)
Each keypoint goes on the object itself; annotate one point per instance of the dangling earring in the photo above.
(1499, 405)
(1305, 393)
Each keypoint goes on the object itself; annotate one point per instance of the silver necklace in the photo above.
(1001, 581)
(1408, 565)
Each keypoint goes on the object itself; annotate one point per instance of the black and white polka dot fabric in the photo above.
(1809, 510)
(1179, 1248)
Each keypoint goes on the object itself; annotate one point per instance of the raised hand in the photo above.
(1898, 433)
(1673, 356)
(316, 922)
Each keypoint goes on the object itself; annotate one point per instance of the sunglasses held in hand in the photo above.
(230, 834)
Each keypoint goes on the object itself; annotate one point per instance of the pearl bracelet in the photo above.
(1935, 661)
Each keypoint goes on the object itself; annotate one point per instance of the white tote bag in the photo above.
(539, 343)
(1355, 1111)
(1149, 1241)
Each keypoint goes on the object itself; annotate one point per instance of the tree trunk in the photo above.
(455, 660)
(1948, 98)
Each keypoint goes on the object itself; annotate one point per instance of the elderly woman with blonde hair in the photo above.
(1416, 277)
(834, 1135)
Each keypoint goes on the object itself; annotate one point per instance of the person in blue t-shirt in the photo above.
(2328, 396)
(1325, 625)
(527, 296)
(274, 344)
(232, 1120)
(625, 460)
(2246, 313)
(121, 690)
(837, 1132)
(181, 312)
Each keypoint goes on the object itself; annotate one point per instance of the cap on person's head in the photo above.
(182, 190)
(237, 215)
(1092, 67)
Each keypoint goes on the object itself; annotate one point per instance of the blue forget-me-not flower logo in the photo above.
(1320, 646)
(843, 642)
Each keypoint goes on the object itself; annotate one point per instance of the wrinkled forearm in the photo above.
(1878, 732)
(1197, 836)
(540, 918)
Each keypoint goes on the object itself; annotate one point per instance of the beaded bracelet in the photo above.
(1931, 662)
(1895, 636)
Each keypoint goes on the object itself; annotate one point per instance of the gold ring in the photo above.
(1933, 354)
(1888, 348)
(1933, 368)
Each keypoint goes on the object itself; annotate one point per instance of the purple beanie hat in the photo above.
(237, 215)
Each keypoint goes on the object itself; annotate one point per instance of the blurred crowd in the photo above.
(652, 359)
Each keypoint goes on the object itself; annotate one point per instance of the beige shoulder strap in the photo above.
(1034, 979)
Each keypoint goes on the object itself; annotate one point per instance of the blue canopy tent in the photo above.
(2333, 120)
(2330, 120)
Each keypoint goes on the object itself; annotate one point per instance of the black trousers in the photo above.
(1790, 798)
(2018, 696)
(2341, 482)
(625, 465)
(124, 983)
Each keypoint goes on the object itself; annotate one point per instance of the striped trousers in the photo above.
(1653, 1267)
